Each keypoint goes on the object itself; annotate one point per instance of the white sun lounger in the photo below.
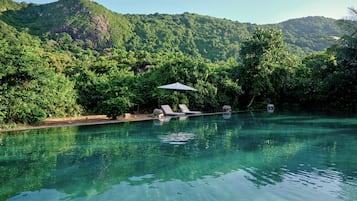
(168, 111)
(185, 110)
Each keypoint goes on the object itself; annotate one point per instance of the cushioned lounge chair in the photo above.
(168, 111)
(185, 110)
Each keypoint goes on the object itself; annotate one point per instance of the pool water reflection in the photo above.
(248, 156)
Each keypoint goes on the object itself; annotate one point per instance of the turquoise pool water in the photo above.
(248, 156)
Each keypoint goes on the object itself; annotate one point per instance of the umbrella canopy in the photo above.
(177, 86)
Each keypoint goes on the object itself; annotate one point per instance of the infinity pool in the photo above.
(245, 156)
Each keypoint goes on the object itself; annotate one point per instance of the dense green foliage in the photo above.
(30, 90)
(192, 34)
(62, 62)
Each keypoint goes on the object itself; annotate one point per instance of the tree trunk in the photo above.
(251, 102)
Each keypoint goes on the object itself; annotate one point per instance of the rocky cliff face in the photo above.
(75, 18)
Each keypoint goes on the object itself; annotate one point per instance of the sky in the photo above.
(253, 11)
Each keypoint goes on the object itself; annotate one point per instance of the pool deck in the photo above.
(81, 121)
(95, 120)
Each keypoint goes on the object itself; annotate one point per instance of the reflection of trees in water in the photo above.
(78, 160)
(28, 157)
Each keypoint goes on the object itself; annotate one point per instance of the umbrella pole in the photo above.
(177, 100)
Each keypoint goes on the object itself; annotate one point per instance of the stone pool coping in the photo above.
(96, 120)
(80, 121)
(93, 120)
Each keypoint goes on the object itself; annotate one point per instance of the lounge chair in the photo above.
(168, 111)
(185, 110)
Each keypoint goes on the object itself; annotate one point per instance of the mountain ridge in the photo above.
(198, 35)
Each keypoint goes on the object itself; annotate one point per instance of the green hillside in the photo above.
(309, 34)
(10, 5)
(197, 35)
(83, 20)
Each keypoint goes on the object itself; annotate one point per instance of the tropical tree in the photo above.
(311, 82)
(116, 92)
(260, 55)
(30, 91)
(104, 86)
(341, 84)
(223, 77)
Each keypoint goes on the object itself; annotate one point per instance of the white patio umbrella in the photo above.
(177, 87)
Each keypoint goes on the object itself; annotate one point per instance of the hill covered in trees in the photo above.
(310, 34)
(212, 38)
(77, 57)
